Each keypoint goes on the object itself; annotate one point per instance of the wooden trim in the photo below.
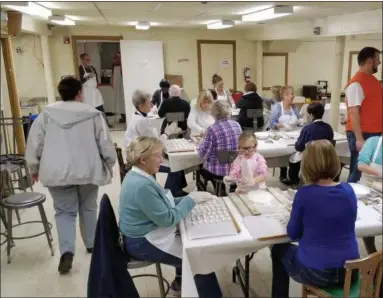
(75, 38)
(286, 55)
(350, 54)
(12, 90)
(199, 58)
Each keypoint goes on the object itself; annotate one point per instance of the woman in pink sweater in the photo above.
(249, 169)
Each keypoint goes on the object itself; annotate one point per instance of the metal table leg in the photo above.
(242, 274)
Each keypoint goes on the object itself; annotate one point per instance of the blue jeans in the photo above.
(175, 181)
(141, 249)
(285, 265)
(355, 175)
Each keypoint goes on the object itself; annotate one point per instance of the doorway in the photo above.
(102, 51)
(217, 57)
(275, 71)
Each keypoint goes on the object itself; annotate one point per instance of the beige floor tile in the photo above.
(33, 271)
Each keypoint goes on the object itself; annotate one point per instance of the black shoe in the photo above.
(286, 181)
(66, 261)
(89, 250)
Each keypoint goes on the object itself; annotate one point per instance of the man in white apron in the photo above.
(89, 80)
(119, 104)
(161, 94)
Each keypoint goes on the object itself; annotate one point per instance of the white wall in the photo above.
(177, 44)
(314, 60)
(29, 69)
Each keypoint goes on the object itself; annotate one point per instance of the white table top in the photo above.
(185, 160)
(202, 256)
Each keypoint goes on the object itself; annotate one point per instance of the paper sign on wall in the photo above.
(142, 63)
(225, 63)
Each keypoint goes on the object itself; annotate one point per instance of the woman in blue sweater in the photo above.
(322, 220)
(316, 130)
(149, 215)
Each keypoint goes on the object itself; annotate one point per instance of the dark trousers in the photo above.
(102, 110)
(355, 175)
(175, 181)
(208, 176)
(141, 249)
(285, 265)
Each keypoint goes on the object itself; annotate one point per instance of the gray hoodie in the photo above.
(69, 144)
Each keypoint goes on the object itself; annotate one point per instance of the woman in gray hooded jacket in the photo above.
(70, 152)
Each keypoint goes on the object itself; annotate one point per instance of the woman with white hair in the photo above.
(175, 104)
(200, 117)
(140, 125)
(149, 215)
(222, 135)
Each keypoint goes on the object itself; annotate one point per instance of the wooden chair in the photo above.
(367, 285)
(124, 168)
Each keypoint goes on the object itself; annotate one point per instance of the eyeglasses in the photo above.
(247, 149)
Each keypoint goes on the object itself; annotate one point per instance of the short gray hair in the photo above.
(175, 91)
(221, 110)
(140, 97)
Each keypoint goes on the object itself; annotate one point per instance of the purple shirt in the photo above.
(222, 135)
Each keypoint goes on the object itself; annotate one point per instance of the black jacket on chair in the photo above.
(108, 274)
(249, 101)
(174, 105)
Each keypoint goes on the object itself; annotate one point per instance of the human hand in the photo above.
(287, 127)
(201, 196)
(228, 180)
(359, 144)
(300, 122)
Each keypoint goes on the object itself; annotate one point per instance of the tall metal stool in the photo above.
(24, 201)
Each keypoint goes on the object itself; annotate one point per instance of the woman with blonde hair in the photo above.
(276, 97)
(322, 221)
(285, 117)
(200, 117)
(149, 215)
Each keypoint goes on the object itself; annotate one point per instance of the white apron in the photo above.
(119, 104)
(92, 95)
(223, 97)
(366, 177)
(247, 171)
(164, 239)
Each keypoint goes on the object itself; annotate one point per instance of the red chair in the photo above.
(237, 96)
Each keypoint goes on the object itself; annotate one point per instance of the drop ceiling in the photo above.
(193, 14)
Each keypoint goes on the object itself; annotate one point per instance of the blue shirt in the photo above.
(322, 220)
(276, 112)
(367, 153)
(144, 206)
(317, 130)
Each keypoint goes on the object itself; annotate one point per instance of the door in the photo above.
(142, 64)
(216, 57)
(275, 66)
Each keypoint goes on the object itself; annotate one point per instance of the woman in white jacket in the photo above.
(200, 118)
(69, 150)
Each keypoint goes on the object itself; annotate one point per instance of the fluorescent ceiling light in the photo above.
(220, 25)
(30, 8)
(62, 20)
(268, 14)
(142, 25)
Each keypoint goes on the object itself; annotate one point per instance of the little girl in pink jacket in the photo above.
(249, 169)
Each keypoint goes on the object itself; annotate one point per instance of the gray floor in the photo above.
(33, 271)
